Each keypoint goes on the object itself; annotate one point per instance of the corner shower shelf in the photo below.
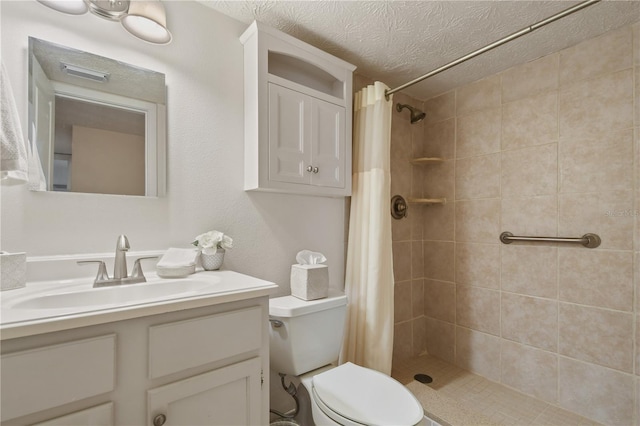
(427, 201)
(426, 161)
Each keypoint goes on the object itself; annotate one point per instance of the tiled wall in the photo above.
(548, 148)
(407, 141)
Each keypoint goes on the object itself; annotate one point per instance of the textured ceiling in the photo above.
(397, 41)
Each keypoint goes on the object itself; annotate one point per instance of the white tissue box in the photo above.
(13, 270)
(309, 282)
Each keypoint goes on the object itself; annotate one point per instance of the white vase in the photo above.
(212, 261)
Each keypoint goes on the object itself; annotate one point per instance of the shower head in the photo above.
(416, 114)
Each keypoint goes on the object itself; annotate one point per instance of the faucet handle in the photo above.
(122, 244)
(136, 272)
(102, 275)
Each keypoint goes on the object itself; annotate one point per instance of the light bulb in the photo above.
(147, 20)
(72, 7)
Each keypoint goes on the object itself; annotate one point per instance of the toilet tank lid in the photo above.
(291, 306)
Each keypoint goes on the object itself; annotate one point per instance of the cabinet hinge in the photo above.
(261, 377)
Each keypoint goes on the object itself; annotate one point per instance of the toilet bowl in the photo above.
(354, 395)
(305, 339)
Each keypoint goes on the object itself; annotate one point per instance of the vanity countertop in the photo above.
(49, 306)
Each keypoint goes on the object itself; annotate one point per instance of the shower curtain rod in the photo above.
(495, 44)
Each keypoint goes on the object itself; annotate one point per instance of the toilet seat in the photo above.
(354, 395)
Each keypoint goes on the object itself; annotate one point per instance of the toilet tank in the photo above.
(310, 335)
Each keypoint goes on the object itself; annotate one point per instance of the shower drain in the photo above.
(423, 378)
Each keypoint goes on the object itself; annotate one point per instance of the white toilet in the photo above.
(305, 339)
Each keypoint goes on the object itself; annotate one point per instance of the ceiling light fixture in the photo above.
(72, 7)
(145, 19)
(112, 10)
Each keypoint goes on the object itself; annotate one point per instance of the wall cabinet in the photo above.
(298, 112)
(307, 141)
(197, 366)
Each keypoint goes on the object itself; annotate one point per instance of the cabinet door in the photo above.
(228, 396)
(289, 135)
(328, 144)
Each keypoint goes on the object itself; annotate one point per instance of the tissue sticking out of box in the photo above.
(310, 278)
(308, 257)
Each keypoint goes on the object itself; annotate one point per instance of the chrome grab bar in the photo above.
(587, 240)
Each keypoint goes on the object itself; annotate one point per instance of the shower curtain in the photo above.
(369, 271)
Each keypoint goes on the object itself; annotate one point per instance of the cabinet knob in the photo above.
(315, 170)
(309, 169)
(159, 420)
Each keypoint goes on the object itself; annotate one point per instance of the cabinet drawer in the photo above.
(51, 376)
(102, 415)
(185, 344)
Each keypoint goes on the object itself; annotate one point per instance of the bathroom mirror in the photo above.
(96, 125)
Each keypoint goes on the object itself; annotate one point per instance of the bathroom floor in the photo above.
(494, 401)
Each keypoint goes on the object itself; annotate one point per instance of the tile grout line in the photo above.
(635, 34)
(500, 225)
(455, 230)
(557, 252)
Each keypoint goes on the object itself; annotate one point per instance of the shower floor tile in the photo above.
(497, 402)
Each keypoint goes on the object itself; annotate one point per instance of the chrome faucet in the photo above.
(120, 275)
(120, 264)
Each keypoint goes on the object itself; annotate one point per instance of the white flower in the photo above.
(212, 240)
(227, 242)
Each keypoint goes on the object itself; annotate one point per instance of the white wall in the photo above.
(204, 75)
(107, 162)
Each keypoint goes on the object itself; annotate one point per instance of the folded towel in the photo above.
(37, 180)
(13, 154)
(178, 257)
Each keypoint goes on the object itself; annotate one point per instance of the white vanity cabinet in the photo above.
(298, 113)
(229, 395)
(196, 366)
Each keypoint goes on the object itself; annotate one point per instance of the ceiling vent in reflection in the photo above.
(93, 75)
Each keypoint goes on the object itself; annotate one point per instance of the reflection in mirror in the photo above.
(96, 125)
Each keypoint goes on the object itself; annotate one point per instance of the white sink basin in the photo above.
(126, 294)
(44, 306)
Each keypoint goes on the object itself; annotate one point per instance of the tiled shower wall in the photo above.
(407, 141)
(548, 148)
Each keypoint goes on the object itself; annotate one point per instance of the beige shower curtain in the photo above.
(369, 271)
